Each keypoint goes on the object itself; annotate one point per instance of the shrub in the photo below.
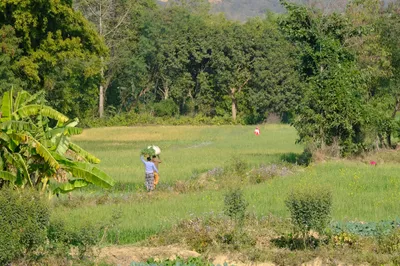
(235, 205)
(238, 166)
(62, 238)
(24, 217)
(166, 108)
(310, 209)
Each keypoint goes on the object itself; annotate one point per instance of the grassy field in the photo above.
(360, 191)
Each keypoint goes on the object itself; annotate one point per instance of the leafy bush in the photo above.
(310, 209)
(238, 166)
(132, 119)
(62, 238)
(235, 205)
(166, 108)
(24, 217)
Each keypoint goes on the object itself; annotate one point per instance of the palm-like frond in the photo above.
(23, 167)
(7, 176)
(34, 97)
(4, 137)
(21, 98)
(6, 107)
(17, 126)
(88, 172)
(67, 131)
(9, 157)
(36, 109)
(62, 145)
(70, 186)
(81, 152)
(43, 152)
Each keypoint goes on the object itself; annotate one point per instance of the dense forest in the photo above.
(331, 72)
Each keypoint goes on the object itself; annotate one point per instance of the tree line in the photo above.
(332, 73)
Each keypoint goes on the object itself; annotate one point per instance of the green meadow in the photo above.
(361, 192)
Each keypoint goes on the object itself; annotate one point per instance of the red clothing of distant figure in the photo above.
(257, 131)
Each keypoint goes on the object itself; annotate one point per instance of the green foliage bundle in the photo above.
(148, 152)
(23, 223)
(310, 209)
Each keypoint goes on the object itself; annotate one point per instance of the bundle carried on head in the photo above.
(151, 151)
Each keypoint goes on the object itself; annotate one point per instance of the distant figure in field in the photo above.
(257, 131)
(150, 168)
(156, 161)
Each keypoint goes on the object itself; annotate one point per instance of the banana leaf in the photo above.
(18, 126)
(45, 153)
(6, 107)
(7, 176)
(87, 172)
(86, 155)
(36, 109)
(21, 98)
(70, 186)
(24, 169)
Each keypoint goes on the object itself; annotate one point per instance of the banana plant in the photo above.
(36, 148)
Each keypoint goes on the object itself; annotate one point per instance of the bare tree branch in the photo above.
(119, 23)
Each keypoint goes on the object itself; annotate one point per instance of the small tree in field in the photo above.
(309, 210)
(36, 150)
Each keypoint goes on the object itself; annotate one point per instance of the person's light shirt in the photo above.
(149, 165)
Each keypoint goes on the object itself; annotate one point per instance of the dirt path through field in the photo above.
(125, 255)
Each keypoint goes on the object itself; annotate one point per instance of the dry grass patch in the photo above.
(143, 133)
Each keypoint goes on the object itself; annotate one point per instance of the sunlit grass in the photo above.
(185, 148)
(360, 191)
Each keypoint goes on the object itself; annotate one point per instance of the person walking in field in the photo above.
(257, 131)
(150, 169)
(156, 161)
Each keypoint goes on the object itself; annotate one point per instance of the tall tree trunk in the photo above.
(234, 103)
(101, 87)
(101, 91)
(234, 108)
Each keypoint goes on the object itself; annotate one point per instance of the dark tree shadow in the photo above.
(303, 158)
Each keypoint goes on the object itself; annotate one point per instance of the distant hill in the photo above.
(244, 9)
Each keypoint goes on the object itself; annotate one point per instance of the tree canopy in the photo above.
(51, 46)
(332, 73)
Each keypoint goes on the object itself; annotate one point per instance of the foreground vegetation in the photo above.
(202, 164)
(198, 205)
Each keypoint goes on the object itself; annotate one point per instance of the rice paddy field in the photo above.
(361, 192)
